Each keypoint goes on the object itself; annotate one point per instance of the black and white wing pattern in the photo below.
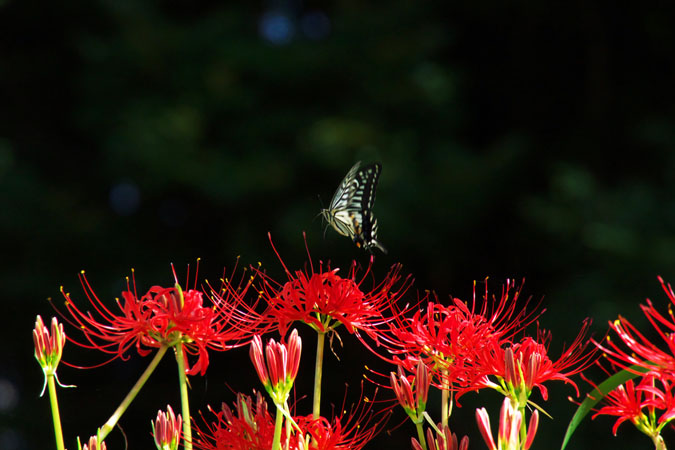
(350, 211)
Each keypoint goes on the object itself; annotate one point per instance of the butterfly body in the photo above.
(350, 211)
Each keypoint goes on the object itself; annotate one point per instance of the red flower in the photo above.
(642, 351)
(277, 372)
(48, 346)
(251, 427)
(521, 367)
(324, 299)
(413, 404)
(349, 434)
(509, 436)
(641, 404)
(165, 316)
(166, 430)
(443, 439)
(350, 429)
(448, 338)
(94, 444)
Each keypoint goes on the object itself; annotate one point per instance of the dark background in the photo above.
(518, 139)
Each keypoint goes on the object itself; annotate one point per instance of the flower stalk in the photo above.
(184, 398)
(115, 417)
(445, 398)
(318, 372)
(659, 443)
(56, 416)
(278, 423)
(420, 436)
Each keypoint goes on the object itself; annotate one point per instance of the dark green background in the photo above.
(518, 139)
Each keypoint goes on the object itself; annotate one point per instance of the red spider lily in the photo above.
(641, 404)
(251, 427)
(165, 316)
(642, 351)
(278, 373)
(48, 346)
(351, 429)
(322, 434)
(447, 338)
(442, 440)
(166, 430)
(522, 367)
(324, 299)
(413, 404)
(510, 419)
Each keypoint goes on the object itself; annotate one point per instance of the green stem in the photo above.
(276, 444)
(110, 424)
(420, 434)
(185, 404)
(659, 443)
(56, 416)
(318, 371)
(445, 398)
(523, 426)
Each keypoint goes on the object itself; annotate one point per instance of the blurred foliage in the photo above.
(518, 139)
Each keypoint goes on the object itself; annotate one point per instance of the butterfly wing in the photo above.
(345, 192)
(366, 232)
(364, 222)
(350, 211)
(338, 212)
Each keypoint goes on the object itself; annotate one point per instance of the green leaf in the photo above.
(593, 397)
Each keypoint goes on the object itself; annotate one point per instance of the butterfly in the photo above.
(350, 211)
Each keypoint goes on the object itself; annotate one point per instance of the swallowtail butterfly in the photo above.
(351, 210)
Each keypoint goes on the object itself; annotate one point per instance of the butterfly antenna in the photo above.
(321, 210)
(320, 213)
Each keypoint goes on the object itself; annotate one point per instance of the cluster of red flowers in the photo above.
(456, 347)
(464, 348)
(250, 426)
(166, 316)
(448, 338)
(648, 404)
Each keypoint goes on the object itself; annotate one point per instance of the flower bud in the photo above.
(48, 346)
(166, 430)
